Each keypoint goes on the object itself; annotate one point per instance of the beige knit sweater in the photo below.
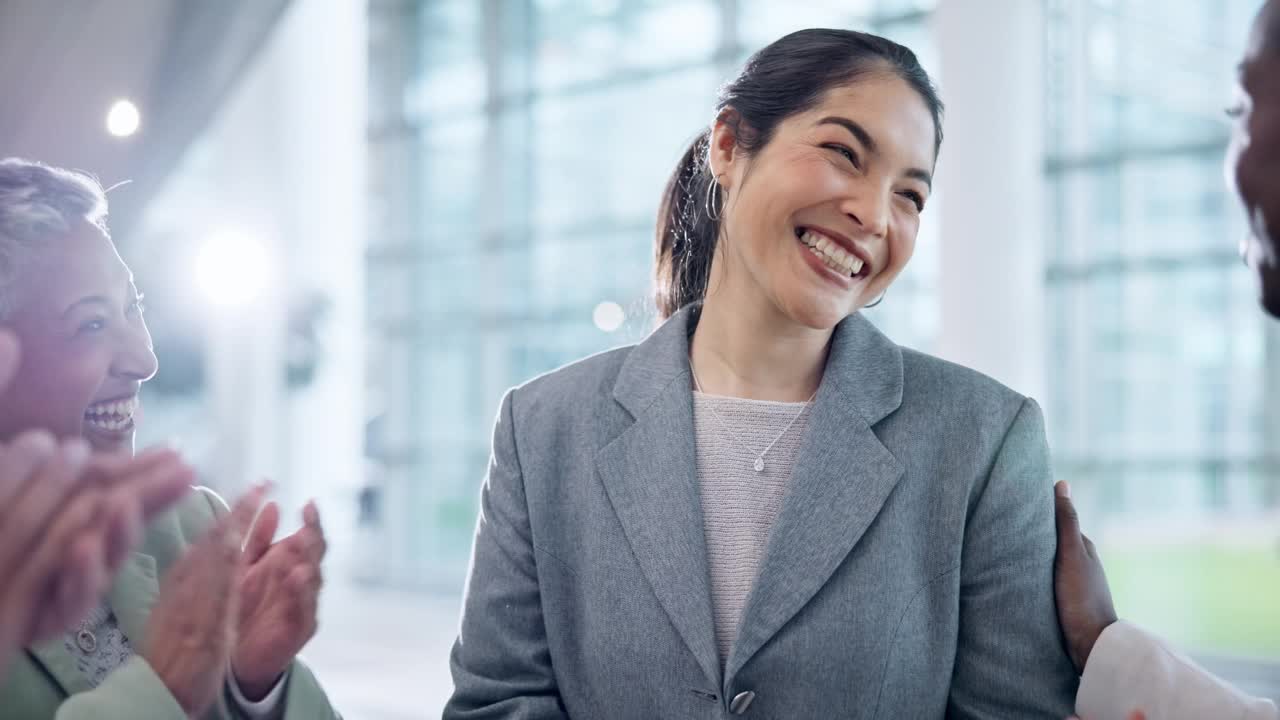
(740, 505)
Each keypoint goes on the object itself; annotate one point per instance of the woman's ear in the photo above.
(724, 154)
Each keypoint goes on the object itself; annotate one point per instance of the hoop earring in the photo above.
(878, 300)
(712, 187)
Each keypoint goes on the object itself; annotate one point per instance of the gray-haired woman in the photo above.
(189, 628)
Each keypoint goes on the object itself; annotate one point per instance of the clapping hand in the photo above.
(191, 631)
(280, 596)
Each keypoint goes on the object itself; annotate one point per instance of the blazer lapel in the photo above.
(61, 666)
(842, 477)
(131, 597)
(650, 475)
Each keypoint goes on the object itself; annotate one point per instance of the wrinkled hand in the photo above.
(42, 519)
(1085, 608)
(279, 596)
(192, 628)
(64, 533)
(102, 520)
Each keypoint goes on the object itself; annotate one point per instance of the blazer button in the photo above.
(741, 702)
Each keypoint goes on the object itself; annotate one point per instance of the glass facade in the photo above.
(1158, 351)
(518, 150)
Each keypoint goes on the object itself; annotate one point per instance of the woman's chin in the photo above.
(817, 313)
(820, 306)
(109, 441)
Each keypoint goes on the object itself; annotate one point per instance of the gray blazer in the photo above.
(909, 573)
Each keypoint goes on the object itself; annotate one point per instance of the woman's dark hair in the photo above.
(789, 76)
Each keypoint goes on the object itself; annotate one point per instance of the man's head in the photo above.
(1253, 161)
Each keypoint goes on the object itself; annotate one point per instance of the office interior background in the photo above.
(359, 221)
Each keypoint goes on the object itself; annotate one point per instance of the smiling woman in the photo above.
(768, 507)
(191, 623)
(68, 295)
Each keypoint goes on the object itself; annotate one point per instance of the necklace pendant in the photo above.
(759, 466)
(87, 642)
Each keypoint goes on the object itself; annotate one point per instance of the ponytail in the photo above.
(686, 232)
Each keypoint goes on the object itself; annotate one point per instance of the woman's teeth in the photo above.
(836, 257)
(116, 415)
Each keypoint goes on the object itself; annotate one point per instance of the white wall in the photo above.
(991, 284)
(284, 159)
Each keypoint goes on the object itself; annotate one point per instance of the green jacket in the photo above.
(44, 683)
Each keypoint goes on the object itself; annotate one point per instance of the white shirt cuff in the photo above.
(262, 709)
(1130, 669)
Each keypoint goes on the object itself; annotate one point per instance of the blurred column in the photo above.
(322, 88)
(990, 177)
(237, 194)
(245, 392)
(393, 260)
(287, 153)
(727, 55)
